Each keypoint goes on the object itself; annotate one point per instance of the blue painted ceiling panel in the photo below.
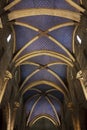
(53, 62)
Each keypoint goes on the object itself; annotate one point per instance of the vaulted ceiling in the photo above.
(42, 34)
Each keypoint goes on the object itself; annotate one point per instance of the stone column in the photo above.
(75, 116)
(8, 76)
(14, 115)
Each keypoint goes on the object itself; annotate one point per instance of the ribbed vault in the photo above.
(44, 45)
(43, 49)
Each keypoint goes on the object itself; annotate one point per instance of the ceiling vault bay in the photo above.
(41, 72)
